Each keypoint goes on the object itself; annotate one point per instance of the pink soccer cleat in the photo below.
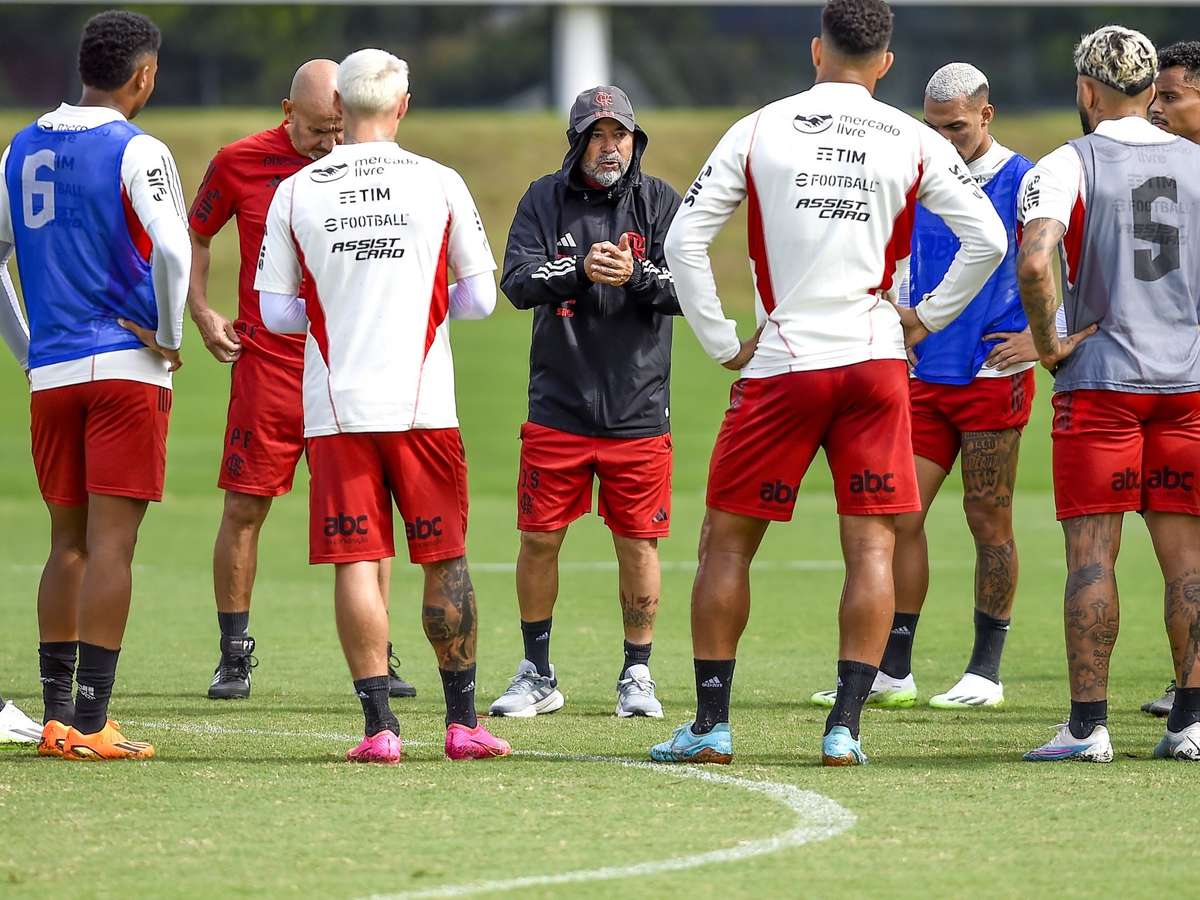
(383, 747)
(474, 743)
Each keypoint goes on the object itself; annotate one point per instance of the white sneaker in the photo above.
(16, 727)
(886, 693)
(529, 694)
(1183, 745)
(1096, 747)
(635, 694)
(971, 692)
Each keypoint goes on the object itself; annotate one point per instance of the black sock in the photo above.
(459, 688)
(897, 655)
(635, 655)
(234, 624)
(373, 694)
(56, 659)
(95, 676)
(989, 644)
(1186, 710)
(853, 684)
(536, 636)
(714, 680)
(1086, 715)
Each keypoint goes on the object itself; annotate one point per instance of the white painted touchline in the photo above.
(669, 565)
(818, 818)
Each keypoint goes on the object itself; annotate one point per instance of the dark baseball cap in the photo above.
(604, 102)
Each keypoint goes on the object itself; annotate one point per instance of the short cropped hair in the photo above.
(371, 81)
(954, 81)
(1121, 58)
(1185, 54)
(857, 27)
(112, 44)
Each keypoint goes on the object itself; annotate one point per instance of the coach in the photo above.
(585, 254)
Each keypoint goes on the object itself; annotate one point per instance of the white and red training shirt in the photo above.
(1054, 187)
(832, 177)
(376, 228)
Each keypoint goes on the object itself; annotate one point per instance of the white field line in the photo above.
(610, 565)
(817, 818)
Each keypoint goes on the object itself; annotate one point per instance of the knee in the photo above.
(636, 551)
(246, 512)
(910, 528)
(542, 546)
(989, 523)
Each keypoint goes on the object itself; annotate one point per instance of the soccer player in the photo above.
(1121, 202)
(972, 389)
(1176, 109)
(585, 253)
(96, 213)
(16, 727)
(375, 228)
(832, 177)
(264, 432)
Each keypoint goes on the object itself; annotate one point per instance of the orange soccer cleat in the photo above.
(54, 734)
(106, 744)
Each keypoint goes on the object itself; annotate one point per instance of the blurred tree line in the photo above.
(488, 56)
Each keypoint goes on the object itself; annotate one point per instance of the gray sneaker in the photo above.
(529, 694)
(635, 694)
(1162, 706)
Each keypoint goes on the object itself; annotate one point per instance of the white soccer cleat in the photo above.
(886, 693)
(16, 727)
(529, 694)
(635, 694)
(1096, 747)
(972, 692)
(1183, 745)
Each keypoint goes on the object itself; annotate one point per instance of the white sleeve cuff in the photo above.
(282, 313)
(473, 297)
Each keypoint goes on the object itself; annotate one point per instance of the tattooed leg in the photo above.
(1090, 605)
(989, 470)
(448, 613)
(362, 620)
(640, 583)
(1177, 544)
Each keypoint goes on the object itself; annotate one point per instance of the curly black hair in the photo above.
(112, 44)
(1183, 53)
(857, 27)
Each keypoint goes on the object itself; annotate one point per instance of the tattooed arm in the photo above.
(1039, 295)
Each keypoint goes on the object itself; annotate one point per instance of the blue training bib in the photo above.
(955, 354)
(80, 269)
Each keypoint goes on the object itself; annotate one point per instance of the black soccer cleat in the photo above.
(231, 679)
(397, 686)
(1162, 706)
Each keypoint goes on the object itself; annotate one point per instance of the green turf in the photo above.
(946, 808)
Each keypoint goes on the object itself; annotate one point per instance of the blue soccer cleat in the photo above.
(687, 747)
(839, 748)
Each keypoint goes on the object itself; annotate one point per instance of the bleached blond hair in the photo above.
(371, 81)
(954, 81)
(1121, 58)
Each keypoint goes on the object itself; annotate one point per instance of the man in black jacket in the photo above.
(585, 252)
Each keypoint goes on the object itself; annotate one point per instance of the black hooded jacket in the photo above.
(600, 359)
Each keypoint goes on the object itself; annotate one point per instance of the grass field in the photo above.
(251, 798)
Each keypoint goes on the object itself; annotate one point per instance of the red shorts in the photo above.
(100, 437)
(1117, 452)
(264, 431)
(555, 485)
(942, 413)
(355, 477)
(774, 426)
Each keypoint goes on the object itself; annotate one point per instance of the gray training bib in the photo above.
(1139, 269)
